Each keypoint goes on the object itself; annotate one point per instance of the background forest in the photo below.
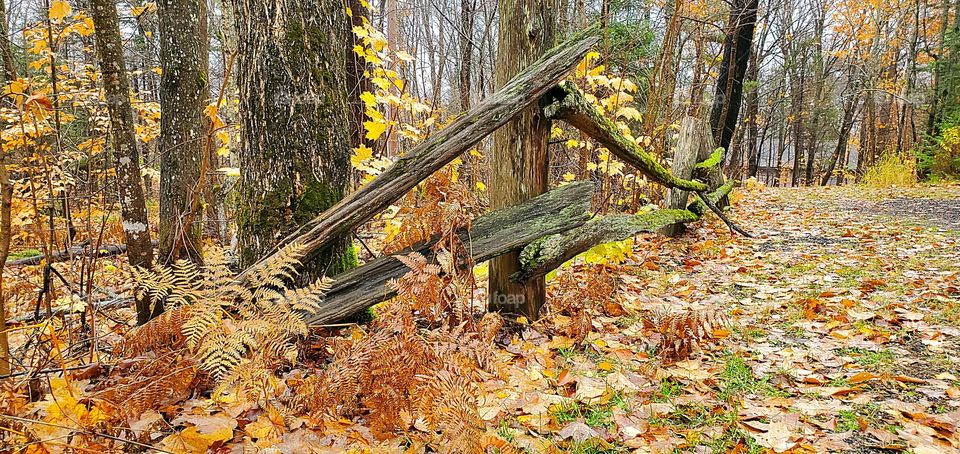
(441, 225)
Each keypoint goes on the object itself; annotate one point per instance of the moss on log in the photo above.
(567, 103)
(548, 253)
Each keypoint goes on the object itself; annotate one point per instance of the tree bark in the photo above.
(6, 52)
(442, 147)
(183, 85)
(133, 208)
(466, 52)
(736, 54)
(356, 81)
(519, 156)
(295, 145)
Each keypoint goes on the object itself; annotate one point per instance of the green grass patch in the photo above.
(693, 416)
(737, 378)
(668, 389)
(873, 360)
(24, 254)
(593, 415)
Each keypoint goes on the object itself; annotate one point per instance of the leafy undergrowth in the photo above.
(836, 329)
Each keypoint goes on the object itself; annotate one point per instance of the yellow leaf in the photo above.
(380, 82)
(481, 186)
(59, 9)
(368, 98)
(403, 56)
(374, 129)
(360, 154)
(605, 366)
(569, 176)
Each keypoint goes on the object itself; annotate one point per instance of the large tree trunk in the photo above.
(736, 54)
(133, 208)
(183, 86)
(295, 139)
(519, 155)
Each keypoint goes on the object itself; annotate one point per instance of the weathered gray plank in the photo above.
(491, 235)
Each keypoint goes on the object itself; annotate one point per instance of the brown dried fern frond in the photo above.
(280, 270)
(164, 331)
(149, 383)
(224, 323)
(447, 402)
(683, 333)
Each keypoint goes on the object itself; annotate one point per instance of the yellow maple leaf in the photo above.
(59, 9)
(368, 98)
(374, 129)
(360, 154)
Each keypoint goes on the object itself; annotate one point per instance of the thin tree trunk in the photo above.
(295, 147)
(6, 196)
(519, 155)
(356, 82)
(736, 55)
(183, 85)
(133, 208)
(467, 8)
(846, 125)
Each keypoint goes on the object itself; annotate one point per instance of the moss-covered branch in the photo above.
(568, 104)
(549, 252)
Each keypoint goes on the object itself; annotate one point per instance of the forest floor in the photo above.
(844, 334)
(837, 328)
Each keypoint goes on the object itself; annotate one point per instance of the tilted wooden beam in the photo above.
(567, 103)
(442, 147)
(491, 235)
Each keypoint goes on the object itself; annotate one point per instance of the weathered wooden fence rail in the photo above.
(549, 229)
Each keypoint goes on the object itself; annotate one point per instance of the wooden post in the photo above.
(694, 139)
(519, 157)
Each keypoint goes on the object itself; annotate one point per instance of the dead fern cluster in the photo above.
(441, 205)
(435, 293)
(148, 382)
(397, 375)
(221, 322)
(577, 296)
(681, 334)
